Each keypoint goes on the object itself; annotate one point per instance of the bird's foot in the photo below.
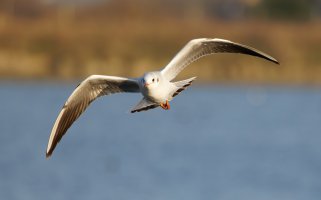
(165, 105)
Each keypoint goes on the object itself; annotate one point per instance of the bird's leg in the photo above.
(165, 105)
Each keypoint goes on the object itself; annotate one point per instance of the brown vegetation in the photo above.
(73, 42)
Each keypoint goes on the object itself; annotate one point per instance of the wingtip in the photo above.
(48, 155)
(275, 61)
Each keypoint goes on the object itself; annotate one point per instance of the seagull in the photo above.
(157, 87)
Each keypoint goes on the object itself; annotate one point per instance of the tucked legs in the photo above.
(165, 105)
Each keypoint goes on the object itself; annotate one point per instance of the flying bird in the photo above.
(157, 88)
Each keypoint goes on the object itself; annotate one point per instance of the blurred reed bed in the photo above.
(71, 43)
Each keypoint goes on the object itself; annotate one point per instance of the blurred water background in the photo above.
(217, 142)
(246, 130)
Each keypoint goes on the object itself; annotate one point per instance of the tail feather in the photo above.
(182, 85)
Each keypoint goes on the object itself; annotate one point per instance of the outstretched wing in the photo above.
(198, 48)
(90, 89)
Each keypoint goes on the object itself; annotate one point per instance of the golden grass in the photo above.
(67, 45)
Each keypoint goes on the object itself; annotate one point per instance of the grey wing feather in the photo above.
(90, 89)
(144, 105)
(197, 48)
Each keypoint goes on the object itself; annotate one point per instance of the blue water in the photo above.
(216, 142)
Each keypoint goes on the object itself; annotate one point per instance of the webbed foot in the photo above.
(165, 105)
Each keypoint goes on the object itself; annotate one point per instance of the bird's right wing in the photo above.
(87, 91)
(198, 48)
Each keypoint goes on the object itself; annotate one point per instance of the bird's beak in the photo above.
(146, 84)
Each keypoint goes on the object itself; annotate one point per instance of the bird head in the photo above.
(151, 80)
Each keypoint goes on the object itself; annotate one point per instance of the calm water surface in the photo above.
(216, 142)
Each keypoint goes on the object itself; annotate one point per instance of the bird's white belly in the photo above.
(158, 96)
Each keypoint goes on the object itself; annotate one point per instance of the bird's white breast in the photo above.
(159, 93)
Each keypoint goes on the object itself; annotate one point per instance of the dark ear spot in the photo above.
(157, 79)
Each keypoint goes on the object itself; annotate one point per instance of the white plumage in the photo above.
(156, 87)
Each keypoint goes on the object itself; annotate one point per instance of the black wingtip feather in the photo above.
(145, 108)
(48, 154)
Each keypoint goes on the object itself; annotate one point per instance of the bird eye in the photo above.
(153, 79)
(157, 79)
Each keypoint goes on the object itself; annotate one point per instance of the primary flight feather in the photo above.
(156, 87)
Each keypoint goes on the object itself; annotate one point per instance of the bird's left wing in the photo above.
(198, 48)
(87, 91)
